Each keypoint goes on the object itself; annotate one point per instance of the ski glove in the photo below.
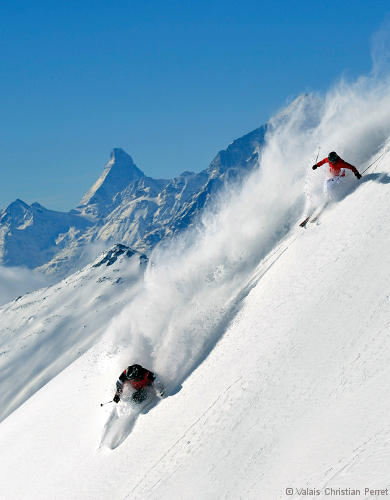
(159, 389)
(314, 167)
(116, 398)
(359, 176)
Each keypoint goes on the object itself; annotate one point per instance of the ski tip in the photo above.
(303, 223)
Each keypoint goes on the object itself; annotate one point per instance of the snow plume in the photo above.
(16, 281)
(355, 122)
(380, 49)
(193, 286)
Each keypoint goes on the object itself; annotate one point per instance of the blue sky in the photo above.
(170, 82)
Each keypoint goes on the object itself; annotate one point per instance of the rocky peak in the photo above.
(16, 211)
(118, 154)
(111, 255)
(118, 173)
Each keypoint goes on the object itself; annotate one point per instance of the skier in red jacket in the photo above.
(138, 378)
(337, 166)
(334, 187)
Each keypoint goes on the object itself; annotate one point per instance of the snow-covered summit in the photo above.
(110, 256)
(118, 173)
(242, 153)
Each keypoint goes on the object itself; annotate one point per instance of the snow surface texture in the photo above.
(272, 340)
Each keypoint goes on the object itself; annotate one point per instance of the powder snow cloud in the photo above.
(189, 295)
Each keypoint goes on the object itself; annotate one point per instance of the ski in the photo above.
(315, 219)
(303, 223)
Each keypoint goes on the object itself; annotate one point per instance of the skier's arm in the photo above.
(351, 167)
(156, 382)
(120, 381)
(119, 387)
(320, 163)
(158, 387)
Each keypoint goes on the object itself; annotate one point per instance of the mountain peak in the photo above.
(110, 256)
(118, 173)
(19, 202)
(119, 152)
(17, 207)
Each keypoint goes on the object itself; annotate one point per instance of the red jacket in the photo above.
(336, 168)
(143, 382)
(138, 378)
(144, 379)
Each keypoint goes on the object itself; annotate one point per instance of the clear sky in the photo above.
(170, 82)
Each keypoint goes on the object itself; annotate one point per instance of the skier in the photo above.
(334, 186)
(138, 378)
(337, 168)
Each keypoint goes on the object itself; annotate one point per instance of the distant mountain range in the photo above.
(31, 235)
(123, 206)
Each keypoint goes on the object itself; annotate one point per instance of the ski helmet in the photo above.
(333, 157)
(132, 372)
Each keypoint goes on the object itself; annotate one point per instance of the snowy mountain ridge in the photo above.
(32, 235)
(148, 211)
(125, 206)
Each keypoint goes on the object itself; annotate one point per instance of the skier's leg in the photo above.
(139, 396)
(328, 188)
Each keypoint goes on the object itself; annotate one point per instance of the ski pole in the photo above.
(318, 153)
(383, 154)
(103, 404)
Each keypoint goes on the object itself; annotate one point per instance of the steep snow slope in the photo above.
(293, 395)
(44, 331)
(272, 341)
